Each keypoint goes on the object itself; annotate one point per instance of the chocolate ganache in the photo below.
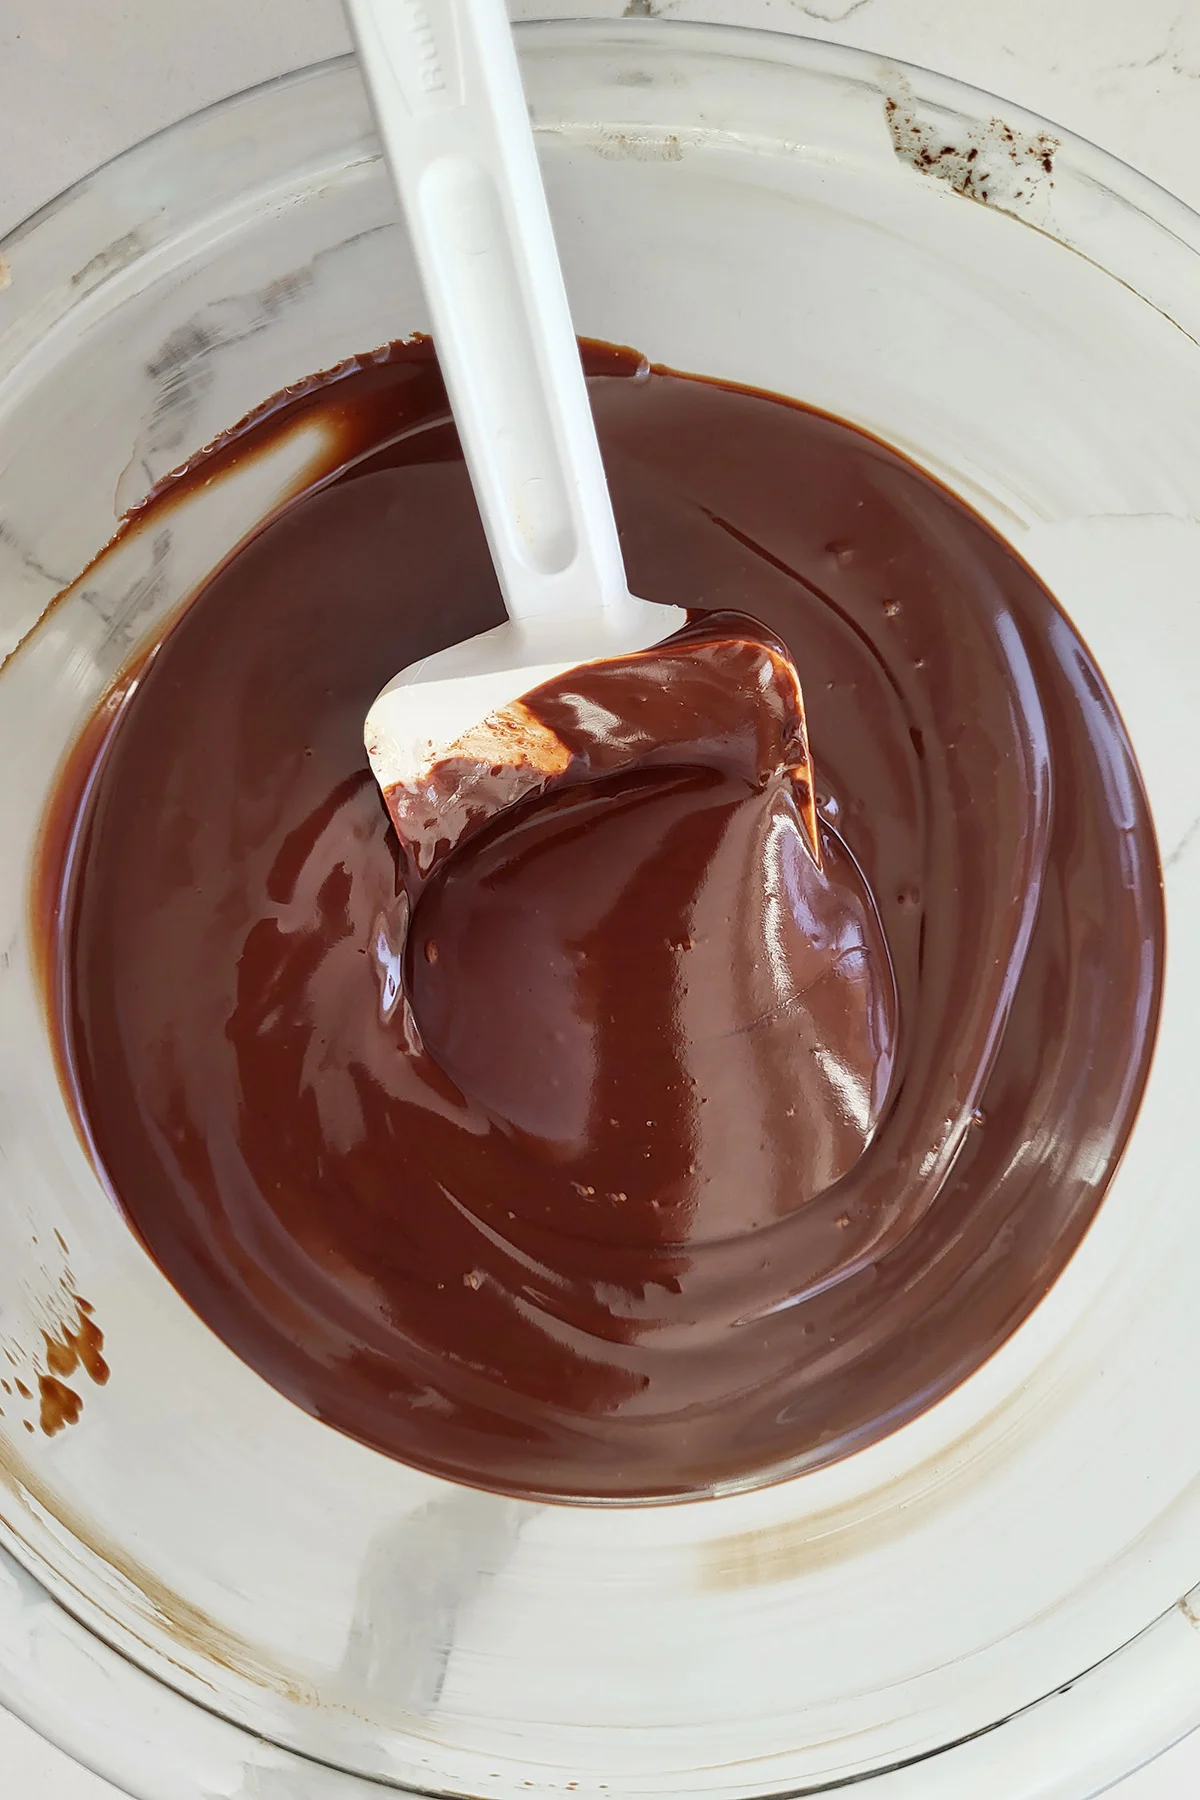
(652, 1129)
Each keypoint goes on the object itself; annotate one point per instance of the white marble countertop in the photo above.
(82, 79)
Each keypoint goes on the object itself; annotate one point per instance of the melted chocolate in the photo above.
(556, 1190)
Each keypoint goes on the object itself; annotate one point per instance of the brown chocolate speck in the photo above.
(23, 1391)
(81, 1344)
(61, 1405)
(61, 1358)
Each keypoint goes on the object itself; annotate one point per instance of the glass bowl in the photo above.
(204, 1592)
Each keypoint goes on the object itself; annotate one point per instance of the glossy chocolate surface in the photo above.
(647, 1154)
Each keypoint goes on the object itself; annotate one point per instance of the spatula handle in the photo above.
(451, 109)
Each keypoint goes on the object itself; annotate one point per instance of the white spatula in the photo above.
(451, 110)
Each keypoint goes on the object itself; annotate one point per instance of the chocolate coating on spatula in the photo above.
(657, 931)
(720, 694)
